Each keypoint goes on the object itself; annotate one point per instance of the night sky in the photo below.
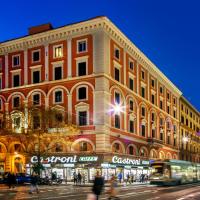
(167, 31)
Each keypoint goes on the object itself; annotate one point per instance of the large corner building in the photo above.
(126, 111)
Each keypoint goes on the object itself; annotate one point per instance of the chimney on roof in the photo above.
(40, 28)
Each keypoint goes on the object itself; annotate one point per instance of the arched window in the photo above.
(82, 93)
(83, 146)
(131, 150)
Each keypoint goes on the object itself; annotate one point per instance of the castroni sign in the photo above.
(125, 161)
(65, 159)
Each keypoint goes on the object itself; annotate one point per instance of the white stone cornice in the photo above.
(52, 35)
(88, 27)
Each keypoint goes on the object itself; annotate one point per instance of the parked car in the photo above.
(23, 178)
(20, 178)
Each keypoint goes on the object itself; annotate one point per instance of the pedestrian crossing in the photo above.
(65, 191)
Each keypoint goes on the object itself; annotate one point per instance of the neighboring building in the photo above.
(189, 132)
(99, 80)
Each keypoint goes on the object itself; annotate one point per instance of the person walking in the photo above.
(98, 185)
(10, 180)
(34, 183)
(79, 178)
(83, 178)
(75, 178)
(113, 188)
(120, 177)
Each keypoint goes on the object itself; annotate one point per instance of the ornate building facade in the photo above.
(189, 132)
(96, 79)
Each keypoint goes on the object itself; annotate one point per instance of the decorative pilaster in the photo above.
(7, 117)
(69, 57)
(25, 115)
(6, 71)
(25, 67)
(138, 78)
(46, 62)
(69, 108)
(138, 120)
(149, 125)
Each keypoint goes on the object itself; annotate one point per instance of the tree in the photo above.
(40, 125)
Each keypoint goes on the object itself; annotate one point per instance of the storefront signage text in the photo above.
(55, 159)
(65, 159)
(88, 159)
(125, 161)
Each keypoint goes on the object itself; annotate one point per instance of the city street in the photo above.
(139, 192)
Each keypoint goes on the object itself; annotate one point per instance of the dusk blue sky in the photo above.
(167, 31)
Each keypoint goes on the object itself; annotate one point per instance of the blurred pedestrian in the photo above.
(34, 183)
(98, 185)
(75, 178)
(83, 178)
(79, 178)
(120, 177)
(11, 180)
(113, 188)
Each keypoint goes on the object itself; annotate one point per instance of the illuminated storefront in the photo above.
(88, 165)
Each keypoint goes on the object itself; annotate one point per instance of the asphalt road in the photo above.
(136, 192)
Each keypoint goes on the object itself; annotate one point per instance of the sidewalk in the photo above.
(107, 184)
(4, 186)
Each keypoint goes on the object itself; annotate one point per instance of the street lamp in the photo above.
(116, 109)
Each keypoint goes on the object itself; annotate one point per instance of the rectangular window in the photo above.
(82, 46)
(143, 92)
(131, 83)
(161, 104)
(143, 111)
(16, 80)
(153, 132)
(131, 65)
(117, 98)
(16, 61)
(174, 114)
(143, 130)
(131, 105)
(82, 93)
(161, 90)
(152, 117)
(36, 56)
(58, 51)
(153, 99)
(161, 121)
(182, 119)
(57, 73)
(16, 102)
(161, 136)
(131, 126)
(82, 69)
(36, 122)
(168, 139)
(168, 109)
(174, 101)
(82, 118)
(143, 75)
(168, 96)
(36, 99)
(117, 121)
(117, 53)
(36, 76)
(152, 83)
(117, 74)
(58, 96)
